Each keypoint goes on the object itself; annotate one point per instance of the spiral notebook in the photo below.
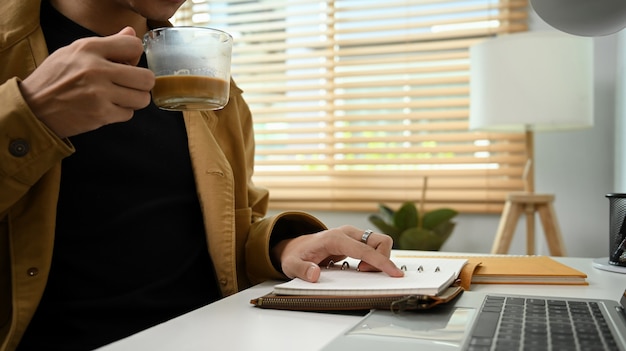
(427, 283)
(427, 276)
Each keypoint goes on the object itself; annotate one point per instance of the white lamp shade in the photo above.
(531, 81)
(583, 17)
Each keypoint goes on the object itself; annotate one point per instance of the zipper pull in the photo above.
(413, 302)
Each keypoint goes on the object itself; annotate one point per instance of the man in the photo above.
(108, 204)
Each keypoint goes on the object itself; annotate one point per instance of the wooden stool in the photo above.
(528, 203)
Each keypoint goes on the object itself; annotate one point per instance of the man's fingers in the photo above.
(123, 47)
(374, 255)
(131, 99)
(302, 256)
(137, 78)
(377, 262)
(366, 267)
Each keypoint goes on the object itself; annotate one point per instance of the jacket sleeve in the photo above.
(28, 149)
(270, 230)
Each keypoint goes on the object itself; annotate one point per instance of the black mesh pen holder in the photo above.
(617, 228)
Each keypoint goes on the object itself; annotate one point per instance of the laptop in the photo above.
(478, 321)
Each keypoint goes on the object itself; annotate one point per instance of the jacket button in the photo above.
(32, 272)
(19, 147)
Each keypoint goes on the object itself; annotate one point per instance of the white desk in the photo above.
(234, 324)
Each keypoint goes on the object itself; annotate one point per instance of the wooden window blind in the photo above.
(358, 102)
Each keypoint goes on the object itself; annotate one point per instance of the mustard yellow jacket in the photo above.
(221, 145)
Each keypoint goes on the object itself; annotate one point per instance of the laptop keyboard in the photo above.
(515, 323)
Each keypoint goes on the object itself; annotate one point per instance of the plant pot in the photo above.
(425, 239)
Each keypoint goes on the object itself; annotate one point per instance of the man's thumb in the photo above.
(296, 268)
(310, 271)
(127, 31)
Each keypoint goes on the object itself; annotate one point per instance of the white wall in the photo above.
(578, 167)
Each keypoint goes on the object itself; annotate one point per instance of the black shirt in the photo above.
(130, 249)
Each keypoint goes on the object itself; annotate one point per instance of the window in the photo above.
(361, 102)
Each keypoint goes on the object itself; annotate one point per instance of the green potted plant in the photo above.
(413, 229)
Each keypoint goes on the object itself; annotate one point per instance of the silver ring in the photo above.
(366, 235)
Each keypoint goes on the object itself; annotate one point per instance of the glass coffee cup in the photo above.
(191, 65)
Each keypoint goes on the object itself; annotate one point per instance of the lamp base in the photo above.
(603, 264)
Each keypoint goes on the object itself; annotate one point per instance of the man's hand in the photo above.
(301, 257)
(89, 83)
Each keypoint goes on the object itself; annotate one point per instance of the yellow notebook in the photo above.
(509, 269)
